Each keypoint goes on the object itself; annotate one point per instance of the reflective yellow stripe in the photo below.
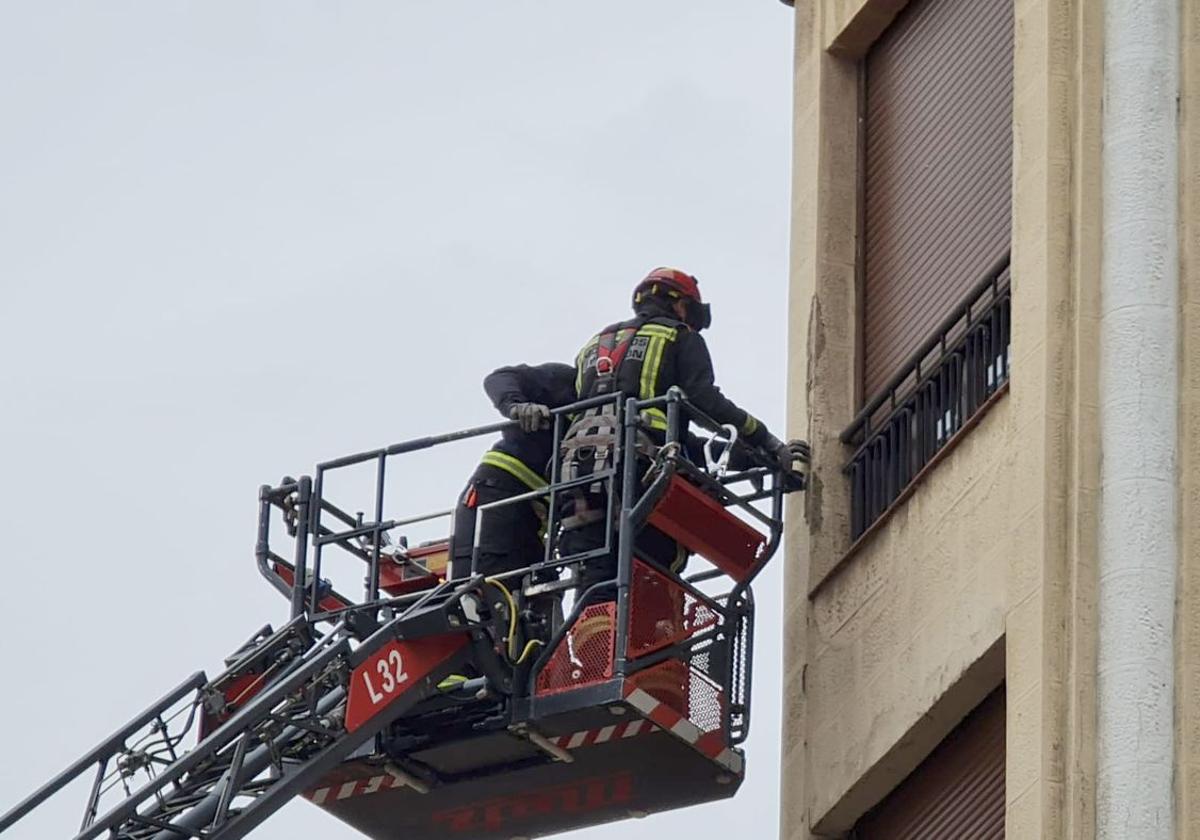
(668, 333)
(655, 418)
(514, 467)
(644, 391)
(650, 367)
(658, 336)
(579, 360)
(750, 426)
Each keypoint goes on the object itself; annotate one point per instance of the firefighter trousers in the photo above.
(510, 535)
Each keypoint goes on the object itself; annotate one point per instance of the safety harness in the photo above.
(591, 439)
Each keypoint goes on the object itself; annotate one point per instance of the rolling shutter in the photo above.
(937, 171)
(957, 793)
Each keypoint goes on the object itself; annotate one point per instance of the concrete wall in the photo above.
(906, 619)
(988, 571)
(1187, 681)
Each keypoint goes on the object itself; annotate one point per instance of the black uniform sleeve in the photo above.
(697, 379)
(551, 384)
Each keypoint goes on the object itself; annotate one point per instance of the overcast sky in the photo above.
(237, 238)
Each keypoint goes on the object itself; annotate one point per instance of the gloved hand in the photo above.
(790, 453)
(800, 450)
(530, 416)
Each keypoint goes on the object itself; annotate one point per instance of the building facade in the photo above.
(993, 583)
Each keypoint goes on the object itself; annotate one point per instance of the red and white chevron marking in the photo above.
(573, 741)
(660, 716)
(711, 744)
(360, 787)
(603, 735)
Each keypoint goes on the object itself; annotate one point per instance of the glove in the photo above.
(800, 451)
(530, 416)
(788, 454)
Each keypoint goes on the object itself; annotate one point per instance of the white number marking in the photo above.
(391, 676)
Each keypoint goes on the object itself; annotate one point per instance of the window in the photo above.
(958, 791)
(936, 173)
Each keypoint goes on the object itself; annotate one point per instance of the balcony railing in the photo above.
(935, 396)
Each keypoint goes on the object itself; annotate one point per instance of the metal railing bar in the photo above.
(723, 494)
(530, 495)
(257, 709)
(337, 513)
(772, 545)
(625, 533)
(685, 647)
(676, 395)
(450, 437)
(372, 587)
(581, 603)
(303, 497)
(937, 377)
(93, 802)
(233, 780)
(103, 750)
(153, 822)
(745, 475)
(707, 575)
(552, 502)
(945, 398)
(937, 336)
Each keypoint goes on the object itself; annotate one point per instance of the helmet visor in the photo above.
(699, 315)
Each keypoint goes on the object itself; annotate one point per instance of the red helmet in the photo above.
(676, 284)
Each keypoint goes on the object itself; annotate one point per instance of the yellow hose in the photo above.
(530, 645)
(512, 615)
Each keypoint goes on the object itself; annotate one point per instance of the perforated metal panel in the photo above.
(585, 655)
(938, 171)
(685, 689)
(662, 613)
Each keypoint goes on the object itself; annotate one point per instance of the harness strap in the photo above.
(611, 350)
(589, 443)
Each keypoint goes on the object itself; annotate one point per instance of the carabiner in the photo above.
(719, 466)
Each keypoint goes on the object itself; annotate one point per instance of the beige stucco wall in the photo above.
(1051, 625)
(905, 619)
(1188, 635)
(849, 27)
(987, 571)
(904, 638)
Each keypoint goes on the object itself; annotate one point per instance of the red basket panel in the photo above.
(661, 612)
(686, 690)
(690, 516)
(585, 654)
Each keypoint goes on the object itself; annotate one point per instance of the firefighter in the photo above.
(645, 356)
(510, 535)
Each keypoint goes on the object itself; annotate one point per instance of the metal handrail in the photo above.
(946, 393)
(913, 363)
(674, 401)
(258, 708)
(103, 751)
(629, 504)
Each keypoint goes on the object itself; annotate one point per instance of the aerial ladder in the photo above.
(436, 706)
